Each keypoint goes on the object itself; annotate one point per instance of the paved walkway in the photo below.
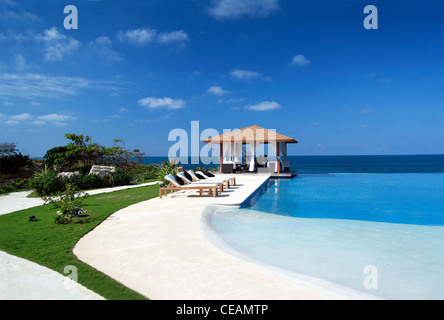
(21, 279)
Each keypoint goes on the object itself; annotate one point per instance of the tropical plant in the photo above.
(69, 205)
(80, 152)
(121, 177)
(119, 156)
(47, 183)
(165, 170)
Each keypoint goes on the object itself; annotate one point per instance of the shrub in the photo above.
(12, 163)
(84, 181)
(15, 185)
(47, 183)
(150, 175)
(68, 204)
(121, 177)
(165, 170)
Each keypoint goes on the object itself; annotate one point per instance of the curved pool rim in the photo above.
(323, 286)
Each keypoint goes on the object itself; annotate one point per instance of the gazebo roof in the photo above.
(251, 134)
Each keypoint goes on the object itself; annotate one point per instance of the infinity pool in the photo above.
(344, 228)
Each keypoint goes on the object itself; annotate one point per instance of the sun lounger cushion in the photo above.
(199, 175)
(181, 176)
(209, 174)
(187, 175)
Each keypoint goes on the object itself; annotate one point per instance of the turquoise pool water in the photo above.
(335, 227)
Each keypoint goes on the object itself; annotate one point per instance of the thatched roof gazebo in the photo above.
(231, 144)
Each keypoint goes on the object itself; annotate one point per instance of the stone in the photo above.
(68, 174)
(102, 171)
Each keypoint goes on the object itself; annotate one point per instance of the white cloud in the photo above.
(218, 91)
(32, 86)
(56, 119)
(264, 106)
(20, 62)
(300, 60)
(137, 36)
(232, 9)
(172, 37)
(103, 46)
(8, 103)
(35, 104)
(24, 16)
(57, 45)
(245, 74)
(144, 36)
(21, 117)
(168, 103)
(10, 122)
(8, 2)
(368, 110)
(231, 100)
(53, 119)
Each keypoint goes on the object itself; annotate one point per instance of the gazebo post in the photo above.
(221, 155)
(277, 158)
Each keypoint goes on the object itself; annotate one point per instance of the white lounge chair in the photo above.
(208, 180)
(187, 181)
(175, 186)
(232, 179)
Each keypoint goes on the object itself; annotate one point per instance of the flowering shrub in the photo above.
(68, 203)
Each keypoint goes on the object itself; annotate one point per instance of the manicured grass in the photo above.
(50, 244)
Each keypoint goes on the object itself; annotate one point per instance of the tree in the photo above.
(11, 160)
(80, 152)
(120, 156)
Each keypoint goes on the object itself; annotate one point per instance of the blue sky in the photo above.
(136, 70)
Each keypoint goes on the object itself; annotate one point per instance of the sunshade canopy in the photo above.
(251, 134)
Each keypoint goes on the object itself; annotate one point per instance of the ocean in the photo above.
(348, 164)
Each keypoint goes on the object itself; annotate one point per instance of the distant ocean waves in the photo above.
(343, 164)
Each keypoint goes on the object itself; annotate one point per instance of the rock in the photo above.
(68, 174)
(102, 171)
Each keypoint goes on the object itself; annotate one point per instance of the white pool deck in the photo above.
(165, 250)
(162, 248)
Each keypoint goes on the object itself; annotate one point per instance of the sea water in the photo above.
(336, 227)
(343, 164)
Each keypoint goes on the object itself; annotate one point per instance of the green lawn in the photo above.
(50, 244)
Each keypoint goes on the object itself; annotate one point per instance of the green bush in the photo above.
(84, 181)
(15, 185)
(165, 170)
(122, 177)
(12, 163)
(47, 183)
